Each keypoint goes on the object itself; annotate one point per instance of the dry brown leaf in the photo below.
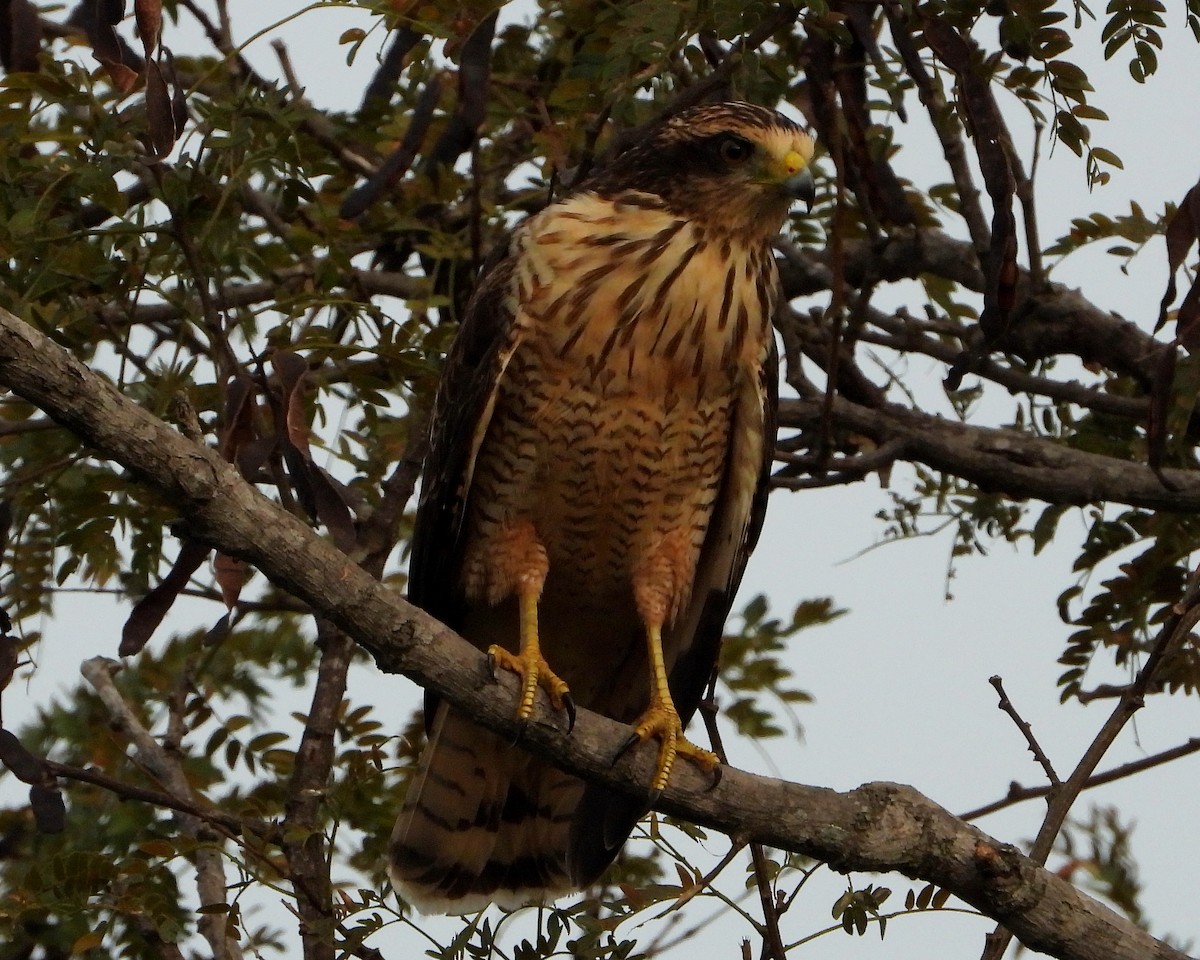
(231, 574)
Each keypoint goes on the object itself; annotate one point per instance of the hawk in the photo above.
(602, 437)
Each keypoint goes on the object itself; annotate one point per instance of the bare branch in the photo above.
(165, 767)
(1019, 794)
(1006, 461)
(1026, 730)
(1175, 632)
(303, 841)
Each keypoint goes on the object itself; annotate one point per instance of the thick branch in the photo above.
(1005, 461)
(876, 827)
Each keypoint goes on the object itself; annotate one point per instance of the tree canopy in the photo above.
(224, 298)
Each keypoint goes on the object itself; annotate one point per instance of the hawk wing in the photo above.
(466, 397)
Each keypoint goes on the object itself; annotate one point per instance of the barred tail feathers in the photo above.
(483, 823)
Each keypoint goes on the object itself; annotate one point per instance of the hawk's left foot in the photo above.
(534, 672)
(661, 721)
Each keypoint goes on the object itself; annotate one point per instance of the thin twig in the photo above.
(1026, 730)
(834, 471)
(228, 824)
(1018, 794)
(772, 940)
(736, 847)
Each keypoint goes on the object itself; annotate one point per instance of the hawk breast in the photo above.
(636, 334)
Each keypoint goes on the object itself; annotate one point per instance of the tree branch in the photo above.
(1007, 461)
(208, 858)
(877, 827)
(1018, 794)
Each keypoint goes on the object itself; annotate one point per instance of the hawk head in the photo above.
(736, 167)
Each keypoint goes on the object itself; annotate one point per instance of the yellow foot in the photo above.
(534, 672)
(661, 721)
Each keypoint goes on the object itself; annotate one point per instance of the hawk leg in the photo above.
(529, 565)
(529, 664)
(661, 721)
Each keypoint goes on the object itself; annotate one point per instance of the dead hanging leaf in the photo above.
(315, 489)
(989, 137)
(160, 116)
(1182, 232)
(49, 811)
(240, 427)
(107, 46)
(20, 36)
(147, 14)
(166, 108)
(231, 574)
(332, 509)
(178, 100)
(1160, 402)
(45, 800)
(292, 370)
(148, 612)
(844, 66)
(240, 442)
(252, 456)
(6, 519)
(9, 657)
(217, 632)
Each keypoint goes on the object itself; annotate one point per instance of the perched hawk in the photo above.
(602, 437)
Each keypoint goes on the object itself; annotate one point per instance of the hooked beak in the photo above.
(801, 186)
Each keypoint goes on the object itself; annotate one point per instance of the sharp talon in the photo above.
(569, 706)
(632, 740)
(716, 778)
(534, 672)
(522, 726)
(655, 796)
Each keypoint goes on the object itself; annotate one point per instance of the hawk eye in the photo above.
(735, 150)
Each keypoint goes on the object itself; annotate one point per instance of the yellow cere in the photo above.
(793, 162)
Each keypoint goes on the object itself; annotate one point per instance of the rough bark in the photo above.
(1003, 461)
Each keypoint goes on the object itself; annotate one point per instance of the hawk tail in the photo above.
(482, 823)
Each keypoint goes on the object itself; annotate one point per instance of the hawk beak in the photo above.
(801, 186)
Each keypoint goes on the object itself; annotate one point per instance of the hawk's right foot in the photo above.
(534, 672)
